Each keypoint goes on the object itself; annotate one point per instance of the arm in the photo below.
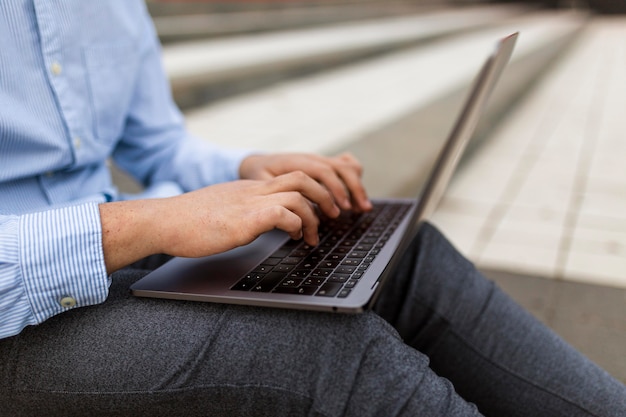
(55, 260)
(213, 219)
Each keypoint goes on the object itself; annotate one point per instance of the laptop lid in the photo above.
(455, 145)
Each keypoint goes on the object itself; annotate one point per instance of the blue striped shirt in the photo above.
(81, 82)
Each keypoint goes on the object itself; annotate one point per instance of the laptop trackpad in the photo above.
(221, 271)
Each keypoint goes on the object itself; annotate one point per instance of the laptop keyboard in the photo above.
(348, 246)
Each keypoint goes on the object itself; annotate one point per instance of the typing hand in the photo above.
(341, 175)
(214, 219)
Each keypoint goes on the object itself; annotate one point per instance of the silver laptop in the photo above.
(356, 255)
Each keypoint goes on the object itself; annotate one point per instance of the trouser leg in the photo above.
(495, 353)
(138, 357)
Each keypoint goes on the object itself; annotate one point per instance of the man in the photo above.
(81, 81)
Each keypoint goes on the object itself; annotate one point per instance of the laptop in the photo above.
(356, 255)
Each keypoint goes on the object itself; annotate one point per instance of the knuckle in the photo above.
(351, 161)
(294, 198)
(327, 171)
(279, 211)
(290, 180)
(299, 175)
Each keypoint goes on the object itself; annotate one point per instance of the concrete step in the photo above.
(176, 22)
(202, 71)
(607, 6)
(393, 112)
(545, 194)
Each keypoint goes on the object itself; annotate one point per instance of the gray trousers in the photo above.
(442, 341)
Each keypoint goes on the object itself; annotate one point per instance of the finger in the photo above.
(309, 188)
(325, 173)
(300, 206)
(350, 171)
(318, 168)
(342, 176)
(280, 217)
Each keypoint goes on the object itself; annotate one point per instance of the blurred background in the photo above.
(539, 202)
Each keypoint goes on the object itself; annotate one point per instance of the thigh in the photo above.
(132, 356)
(495, 353)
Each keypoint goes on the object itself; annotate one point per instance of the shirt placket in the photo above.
(51, 48)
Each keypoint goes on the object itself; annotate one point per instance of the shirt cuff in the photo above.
(62, 259)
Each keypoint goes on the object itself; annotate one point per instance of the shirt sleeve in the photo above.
(155, 146)
(50, 262)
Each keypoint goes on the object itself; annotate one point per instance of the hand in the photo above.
(224, 216)
(214, 219)
(341, 175)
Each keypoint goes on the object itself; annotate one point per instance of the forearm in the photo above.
(131, 230)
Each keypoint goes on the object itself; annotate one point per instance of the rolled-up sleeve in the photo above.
(50, 262)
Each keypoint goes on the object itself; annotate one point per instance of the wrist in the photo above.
(130, 232)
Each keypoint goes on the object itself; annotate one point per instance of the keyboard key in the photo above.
(329, 264)
(343, 293)
(272, 261)
(244, 285)
(283, 268)
(335, 256)
(281, 253)
(345, 269)
(262, 269)
(329, 289)
(291, 260)
(291, 282)
(314, 281)
(356, 275)
(339, 278)
(351, 283)
(351, 262)
(321, 272)
(299, 273)
(304, 290)
(268, 282)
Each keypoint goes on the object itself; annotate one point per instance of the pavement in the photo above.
(541, 206)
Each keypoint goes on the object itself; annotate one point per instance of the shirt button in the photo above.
(56, 68)
(49, 174)
(77, 143)
(67, 302)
